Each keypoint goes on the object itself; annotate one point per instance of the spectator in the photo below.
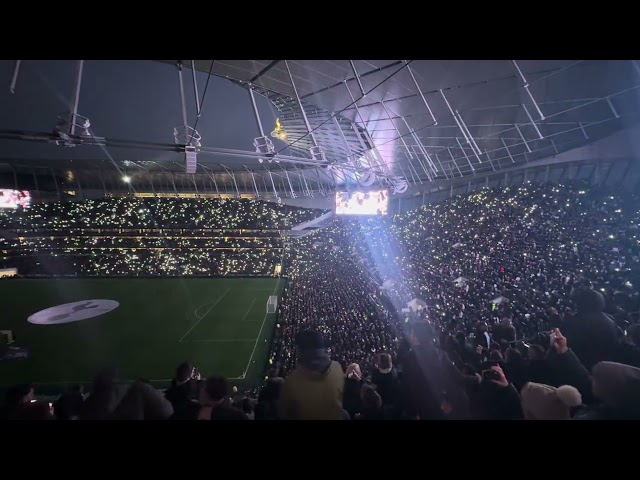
(21, 404)
(267, 408)
(629, 353)
(104, 397)
(69, 405)
(504, 333)
(536, 367)
(428, 377)
(143, 402)
(617, 388)
(314, 390)
(385, 379)
(591, 333)
(501, 399)
(515, 368)
(185, 386)
(371, 404)
(248, 408)
(212, 404)
(351, 400)
(542, 402)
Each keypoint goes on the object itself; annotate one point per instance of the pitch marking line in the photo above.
(204, 305)
(200, 318)
(250, 307)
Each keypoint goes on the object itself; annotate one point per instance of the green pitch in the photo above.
(219, 325)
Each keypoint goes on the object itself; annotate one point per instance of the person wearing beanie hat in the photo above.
(543, 402)
(314, 390)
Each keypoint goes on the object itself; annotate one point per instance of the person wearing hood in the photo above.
(314, 390)
(592, 334)
(385, 379)
(351, 400)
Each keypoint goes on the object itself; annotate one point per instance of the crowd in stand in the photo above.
(159, 212)
(509, 303)
(147, 236)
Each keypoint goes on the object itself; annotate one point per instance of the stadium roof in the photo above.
(344, 122)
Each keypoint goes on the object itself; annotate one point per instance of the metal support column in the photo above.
(584, 132)
(104, 186)
(423, 150)
(273, 184)
(523, 139)
(55, 182)
(606, 175)
(233, 177)
(473, 140)
(255, 185)
(613, 109)
(465, 155)
(455, 117)
(35, 179)
(507, 149)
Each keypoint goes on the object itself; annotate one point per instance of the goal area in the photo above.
(272, 304)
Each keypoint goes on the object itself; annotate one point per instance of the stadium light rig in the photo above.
(126, 179)
(264, 145)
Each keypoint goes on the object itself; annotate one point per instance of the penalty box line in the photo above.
(207, 313)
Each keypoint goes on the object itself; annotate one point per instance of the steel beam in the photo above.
(304, 115)
(526, 87)
(255, 111)
(532, 122)
(182, 101)
(14, 77)
(426, 104)
(195, 87)
(76, 97)
(355, 73)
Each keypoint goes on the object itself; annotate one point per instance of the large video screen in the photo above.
(373, 202)
(14, 198)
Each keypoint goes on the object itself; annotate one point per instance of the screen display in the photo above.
(14, 198)
(373, 202)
